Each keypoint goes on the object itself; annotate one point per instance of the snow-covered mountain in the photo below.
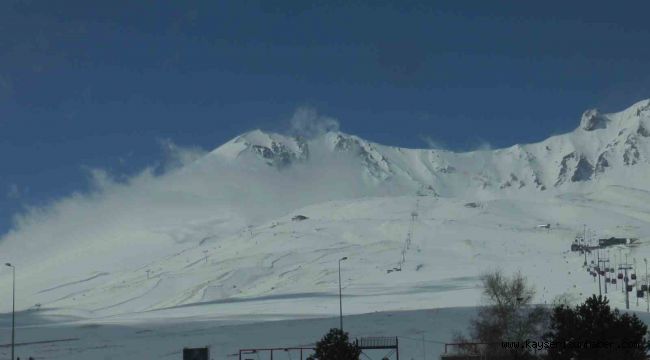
(602, 144)
(219, 234)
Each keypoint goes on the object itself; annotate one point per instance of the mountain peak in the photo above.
(592, 119)
(276, 149)
(637, 109)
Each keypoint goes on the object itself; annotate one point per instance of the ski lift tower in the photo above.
(602, 272)
(625, 267)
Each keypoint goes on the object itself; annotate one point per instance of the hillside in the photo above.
(217, 235)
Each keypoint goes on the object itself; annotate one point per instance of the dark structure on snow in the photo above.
(615, 241)
(196, 353)
(365, 343)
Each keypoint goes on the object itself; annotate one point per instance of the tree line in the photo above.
(509, 326)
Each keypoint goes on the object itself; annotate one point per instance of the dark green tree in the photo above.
(593, 331)
(335, 345)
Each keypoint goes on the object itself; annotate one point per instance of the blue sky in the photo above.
(102, 84)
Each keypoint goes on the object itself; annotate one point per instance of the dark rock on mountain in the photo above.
(592, 120)
(584, 170)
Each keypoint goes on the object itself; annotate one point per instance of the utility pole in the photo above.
(424, 351)
(647, 286)
(620, 263)
(584, 241)
(13, 311)
(340, 295)
(600, 292)
(625, 267)
(604, 262)
(616, 265)
(636, 282)
(584, 248)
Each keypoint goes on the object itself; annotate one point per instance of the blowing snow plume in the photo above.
(308, 123)
(150, 215)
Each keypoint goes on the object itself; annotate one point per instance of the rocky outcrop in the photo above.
(512, 181)
(631, 154)
(577, 166)
(565, 165)
(538, 182)
(427, 190)
(592, 120)
(375, 163)
(602, 163)
(279, 155)
(583, 171)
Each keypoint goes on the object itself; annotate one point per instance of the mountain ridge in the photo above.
(600, 143)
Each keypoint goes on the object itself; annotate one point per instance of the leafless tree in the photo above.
(506, 315)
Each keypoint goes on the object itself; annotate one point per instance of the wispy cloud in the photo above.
(431, 143)
(177, 156)
(483, 145)
(308, 123)
(148, 214)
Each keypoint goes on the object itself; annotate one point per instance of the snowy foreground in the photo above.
(421, 335)
(165, 339)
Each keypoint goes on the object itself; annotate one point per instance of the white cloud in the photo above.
(483, 145)
(146, 215)
(308, 123)
(177, 156)
(431, 143)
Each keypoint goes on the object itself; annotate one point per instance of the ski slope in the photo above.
(295, 262)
